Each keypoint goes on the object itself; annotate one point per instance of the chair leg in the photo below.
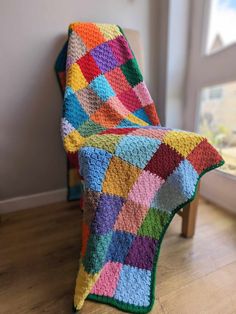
(189, 216)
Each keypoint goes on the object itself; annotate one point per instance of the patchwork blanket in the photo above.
(136, 174)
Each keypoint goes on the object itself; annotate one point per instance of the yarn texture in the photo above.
(132, 174)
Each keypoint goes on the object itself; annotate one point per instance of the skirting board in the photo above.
(33, 200)
(219, 188)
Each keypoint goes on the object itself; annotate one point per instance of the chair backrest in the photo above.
(104, 85)
(134, 40)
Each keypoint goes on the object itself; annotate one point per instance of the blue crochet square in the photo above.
(141, 114)
(179, 187)
(185, 177)
(127, 123)
(73, 111)
(101, 86)
(134, 286)
(137, 150)
(93, 164)
(119, 246)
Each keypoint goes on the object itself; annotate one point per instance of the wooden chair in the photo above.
(189, 217)
(189, 212)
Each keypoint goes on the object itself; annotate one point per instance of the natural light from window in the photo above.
(222, 25)
(218, 121)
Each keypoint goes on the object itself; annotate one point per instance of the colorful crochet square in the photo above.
(132, 174)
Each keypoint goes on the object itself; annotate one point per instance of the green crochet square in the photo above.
(107, 142)
(90, 128)
(154, 223)
(132, 72)
(96, 252)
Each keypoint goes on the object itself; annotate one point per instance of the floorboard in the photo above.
(39, 251)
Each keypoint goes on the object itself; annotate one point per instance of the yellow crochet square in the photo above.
(84, 284)
(109, 31)
(120, 177)
(73, 141)
(136, 120)
(75, 78)
(182, 142)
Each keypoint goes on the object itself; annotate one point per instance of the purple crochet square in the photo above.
(141, 253)
(121, 49)
(107, 210)
(104, 57)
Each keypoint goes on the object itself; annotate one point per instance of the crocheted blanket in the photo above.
(136, 174)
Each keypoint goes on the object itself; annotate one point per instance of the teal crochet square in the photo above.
(101, 86)
(73, 111)
(89, 128)
(141, 114)
(96, 252)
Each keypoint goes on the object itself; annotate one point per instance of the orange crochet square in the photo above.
(89, 33)
(120, 177)
(152, 114)
(106, 116)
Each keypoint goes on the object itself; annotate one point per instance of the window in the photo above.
(221, 25)
(211, 78)
(217, 121)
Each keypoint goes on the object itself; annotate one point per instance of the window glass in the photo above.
(221, 25)
(217, 121)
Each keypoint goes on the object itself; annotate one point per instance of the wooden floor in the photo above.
(39, 251)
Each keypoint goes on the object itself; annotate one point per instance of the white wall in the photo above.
(178, 49)
(32, 159)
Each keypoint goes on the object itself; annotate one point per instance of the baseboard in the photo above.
(217, 188)
(33, 200)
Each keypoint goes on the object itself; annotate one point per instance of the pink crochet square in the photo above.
(116, 104)
(120, 49)
(130, 100)
(143, 93)
(153, 133)
(147, 184)
(107, 282)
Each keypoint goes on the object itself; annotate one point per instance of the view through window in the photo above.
(221, 25)
(218, 121)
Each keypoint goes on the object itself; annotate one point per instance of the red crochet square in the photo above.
(88, 67)
(164, 161)
(130, 100)
(119, 131)
(203, 156)
(73, 160)
(62, 78)
(117, 80)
